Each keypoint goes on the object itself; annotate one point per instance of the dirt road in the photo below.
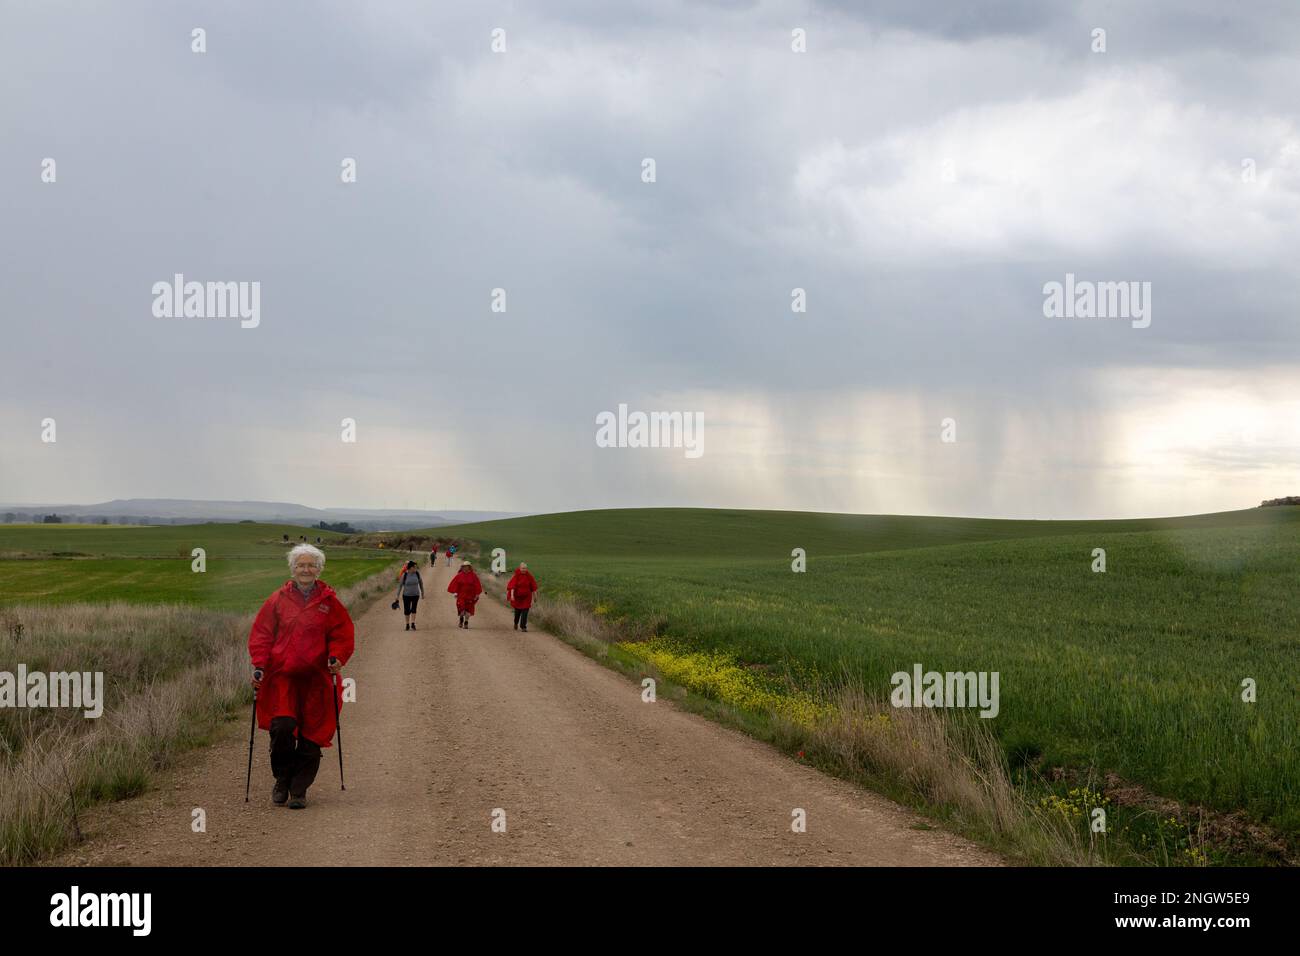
(450, 726)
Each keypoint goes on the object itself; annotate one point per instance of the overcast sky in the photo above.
(921, 171)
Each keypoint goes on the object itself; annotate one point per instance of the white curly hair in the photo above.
(316, 553)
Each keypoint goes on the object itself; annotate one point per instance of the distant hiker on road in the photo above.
(433, 557)
(519, 592)
(467, 587)
(410, 588)
(451, 552)
(300, 640)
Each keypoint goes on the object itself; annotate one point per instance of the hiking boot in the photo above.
(407, 628)
(298, 802)
(279, 793)
(412, 625)
(524, 629)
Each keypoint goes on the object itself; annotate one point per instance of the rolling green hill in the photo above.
(703, 532)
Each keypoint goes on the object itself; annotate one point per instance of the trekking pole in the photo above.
(252, 728)
(338, 725)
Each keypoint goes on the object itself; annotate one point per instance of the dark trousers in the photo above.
(294, 760)
(521, 617)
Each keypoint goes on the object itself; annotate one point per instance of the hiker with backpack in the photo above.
(467, 588)
(299, 641)
(519, 592)
(410, 588)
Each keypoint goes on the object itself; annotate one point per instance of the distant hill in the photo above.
(188, 511)
(674, 533)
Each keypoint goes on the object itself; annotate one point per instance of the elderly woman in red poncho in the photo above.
(300, 640)
(467, 587)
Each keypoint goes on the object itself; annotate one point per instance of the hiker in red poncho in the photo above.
(300, 639)
(467, 587)
(519, 592)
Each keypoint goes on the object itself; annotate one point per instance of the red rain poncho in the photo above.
(291, 641)
(467, 587)
(521, 589)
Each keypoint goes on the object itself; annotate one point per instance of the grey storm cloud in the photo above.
(1162, 26)
(920, 172)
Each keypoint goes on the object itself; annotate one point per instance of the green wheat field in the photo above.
(1137, 671)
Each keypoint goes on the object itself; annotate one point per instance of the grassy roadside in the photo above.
(173, 674)
(948, 768)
